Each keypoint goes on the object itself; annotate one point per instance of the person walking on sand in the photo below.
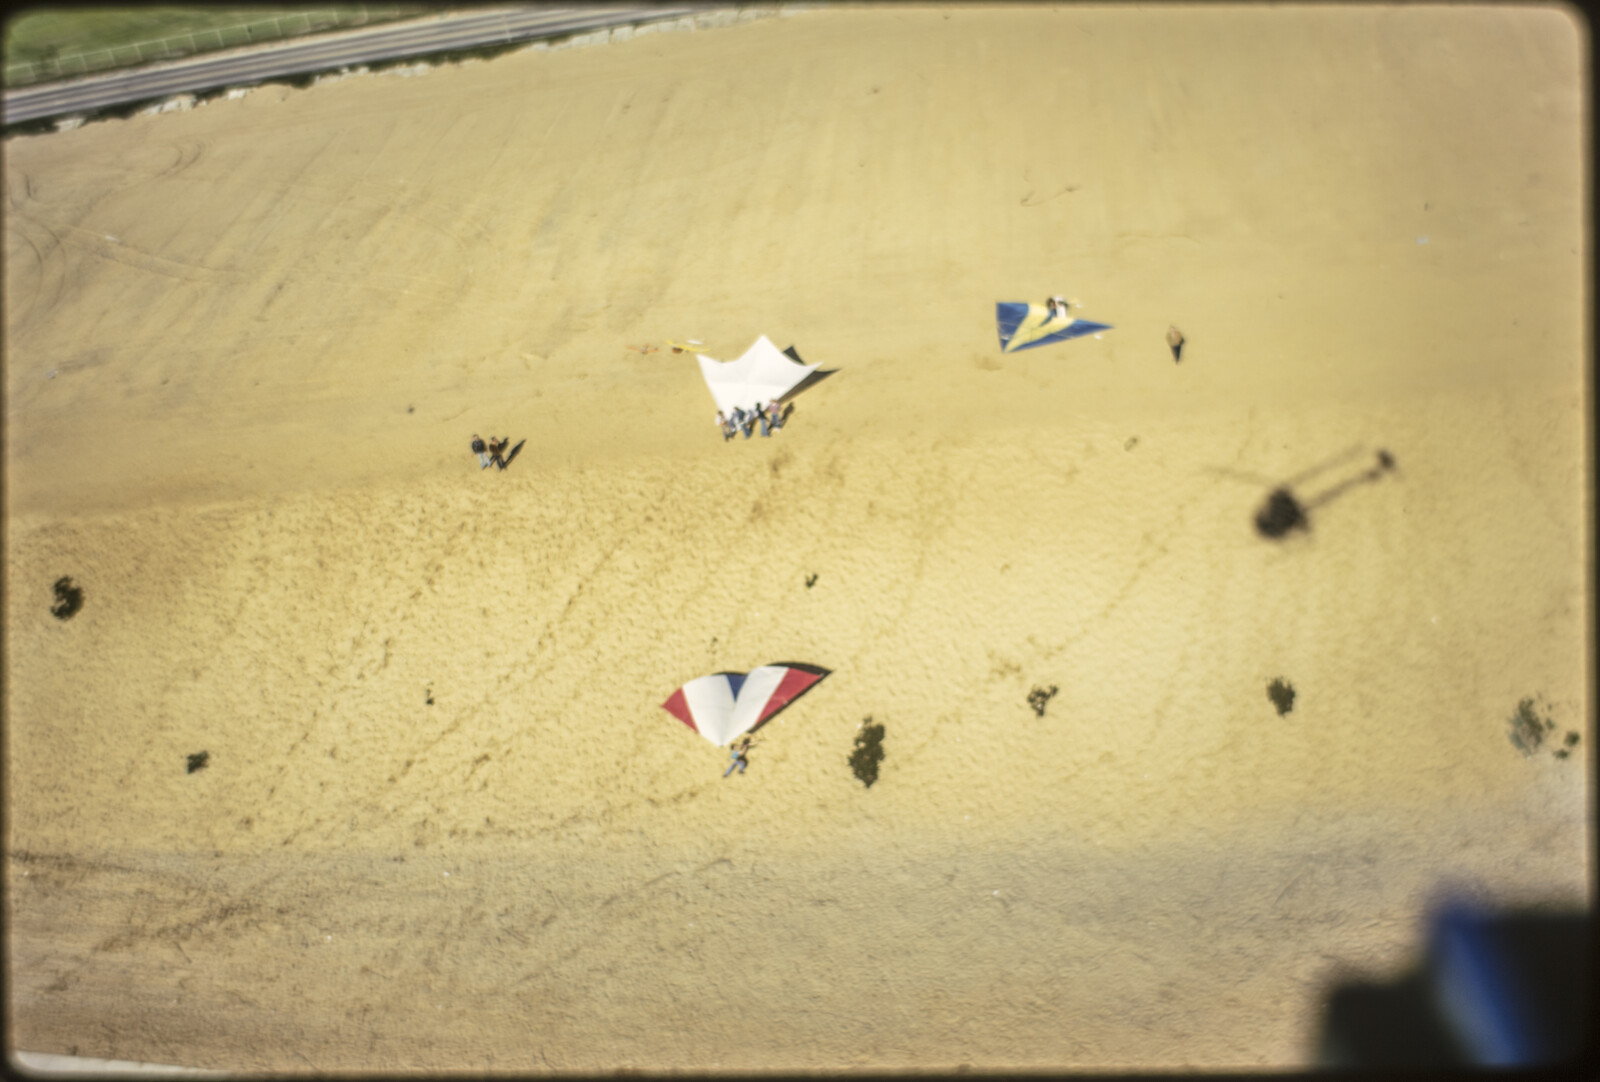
(740, 754)
(727, 426)
(1175, 343)
(497, 449)
(481, 451)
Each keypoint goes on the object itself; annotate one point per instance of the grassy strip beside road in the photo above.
(456, 35)
(133, 106)
(46, 43)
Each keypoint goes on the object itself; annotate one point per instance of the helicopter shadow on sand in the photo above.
(1284, 511)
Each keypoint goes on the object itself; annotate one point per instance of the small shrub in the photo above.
(1281, 692)
(1528, 729)
(868, 752)
(69, 599)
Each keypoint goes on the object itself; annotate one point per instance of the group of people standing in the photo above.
(491, 454)
(770, 416)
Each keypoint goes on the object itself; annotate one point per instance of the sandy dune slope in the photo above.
(444, 822)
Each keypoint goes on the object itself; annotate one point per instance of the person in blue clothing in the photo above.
(739, 753)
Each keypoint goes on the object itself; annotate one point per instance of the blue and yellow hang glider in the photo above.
(1023, 326)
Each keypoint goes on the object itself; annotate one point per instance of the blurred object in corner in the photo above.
(1496, 989)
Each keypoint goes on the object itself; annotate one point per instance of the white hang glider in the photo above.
(764, 373)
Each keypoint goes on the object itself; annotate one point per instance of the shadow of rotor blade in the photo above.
(1327, 464)
(1366, 476)
(1241, 475)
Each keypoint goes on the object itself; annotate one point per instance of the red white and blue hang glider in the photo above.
(725, 705)
(763, 374)
(1023, 326)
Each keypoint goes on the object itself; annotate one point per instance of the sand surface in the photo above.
(445, 823)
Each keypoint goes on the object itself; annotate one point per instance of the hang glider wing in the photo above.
(1023, 326)
(725, 705)
(761, 375)
(816, 377)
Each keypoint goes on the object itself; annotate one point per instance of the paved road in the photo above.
(328, 52)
